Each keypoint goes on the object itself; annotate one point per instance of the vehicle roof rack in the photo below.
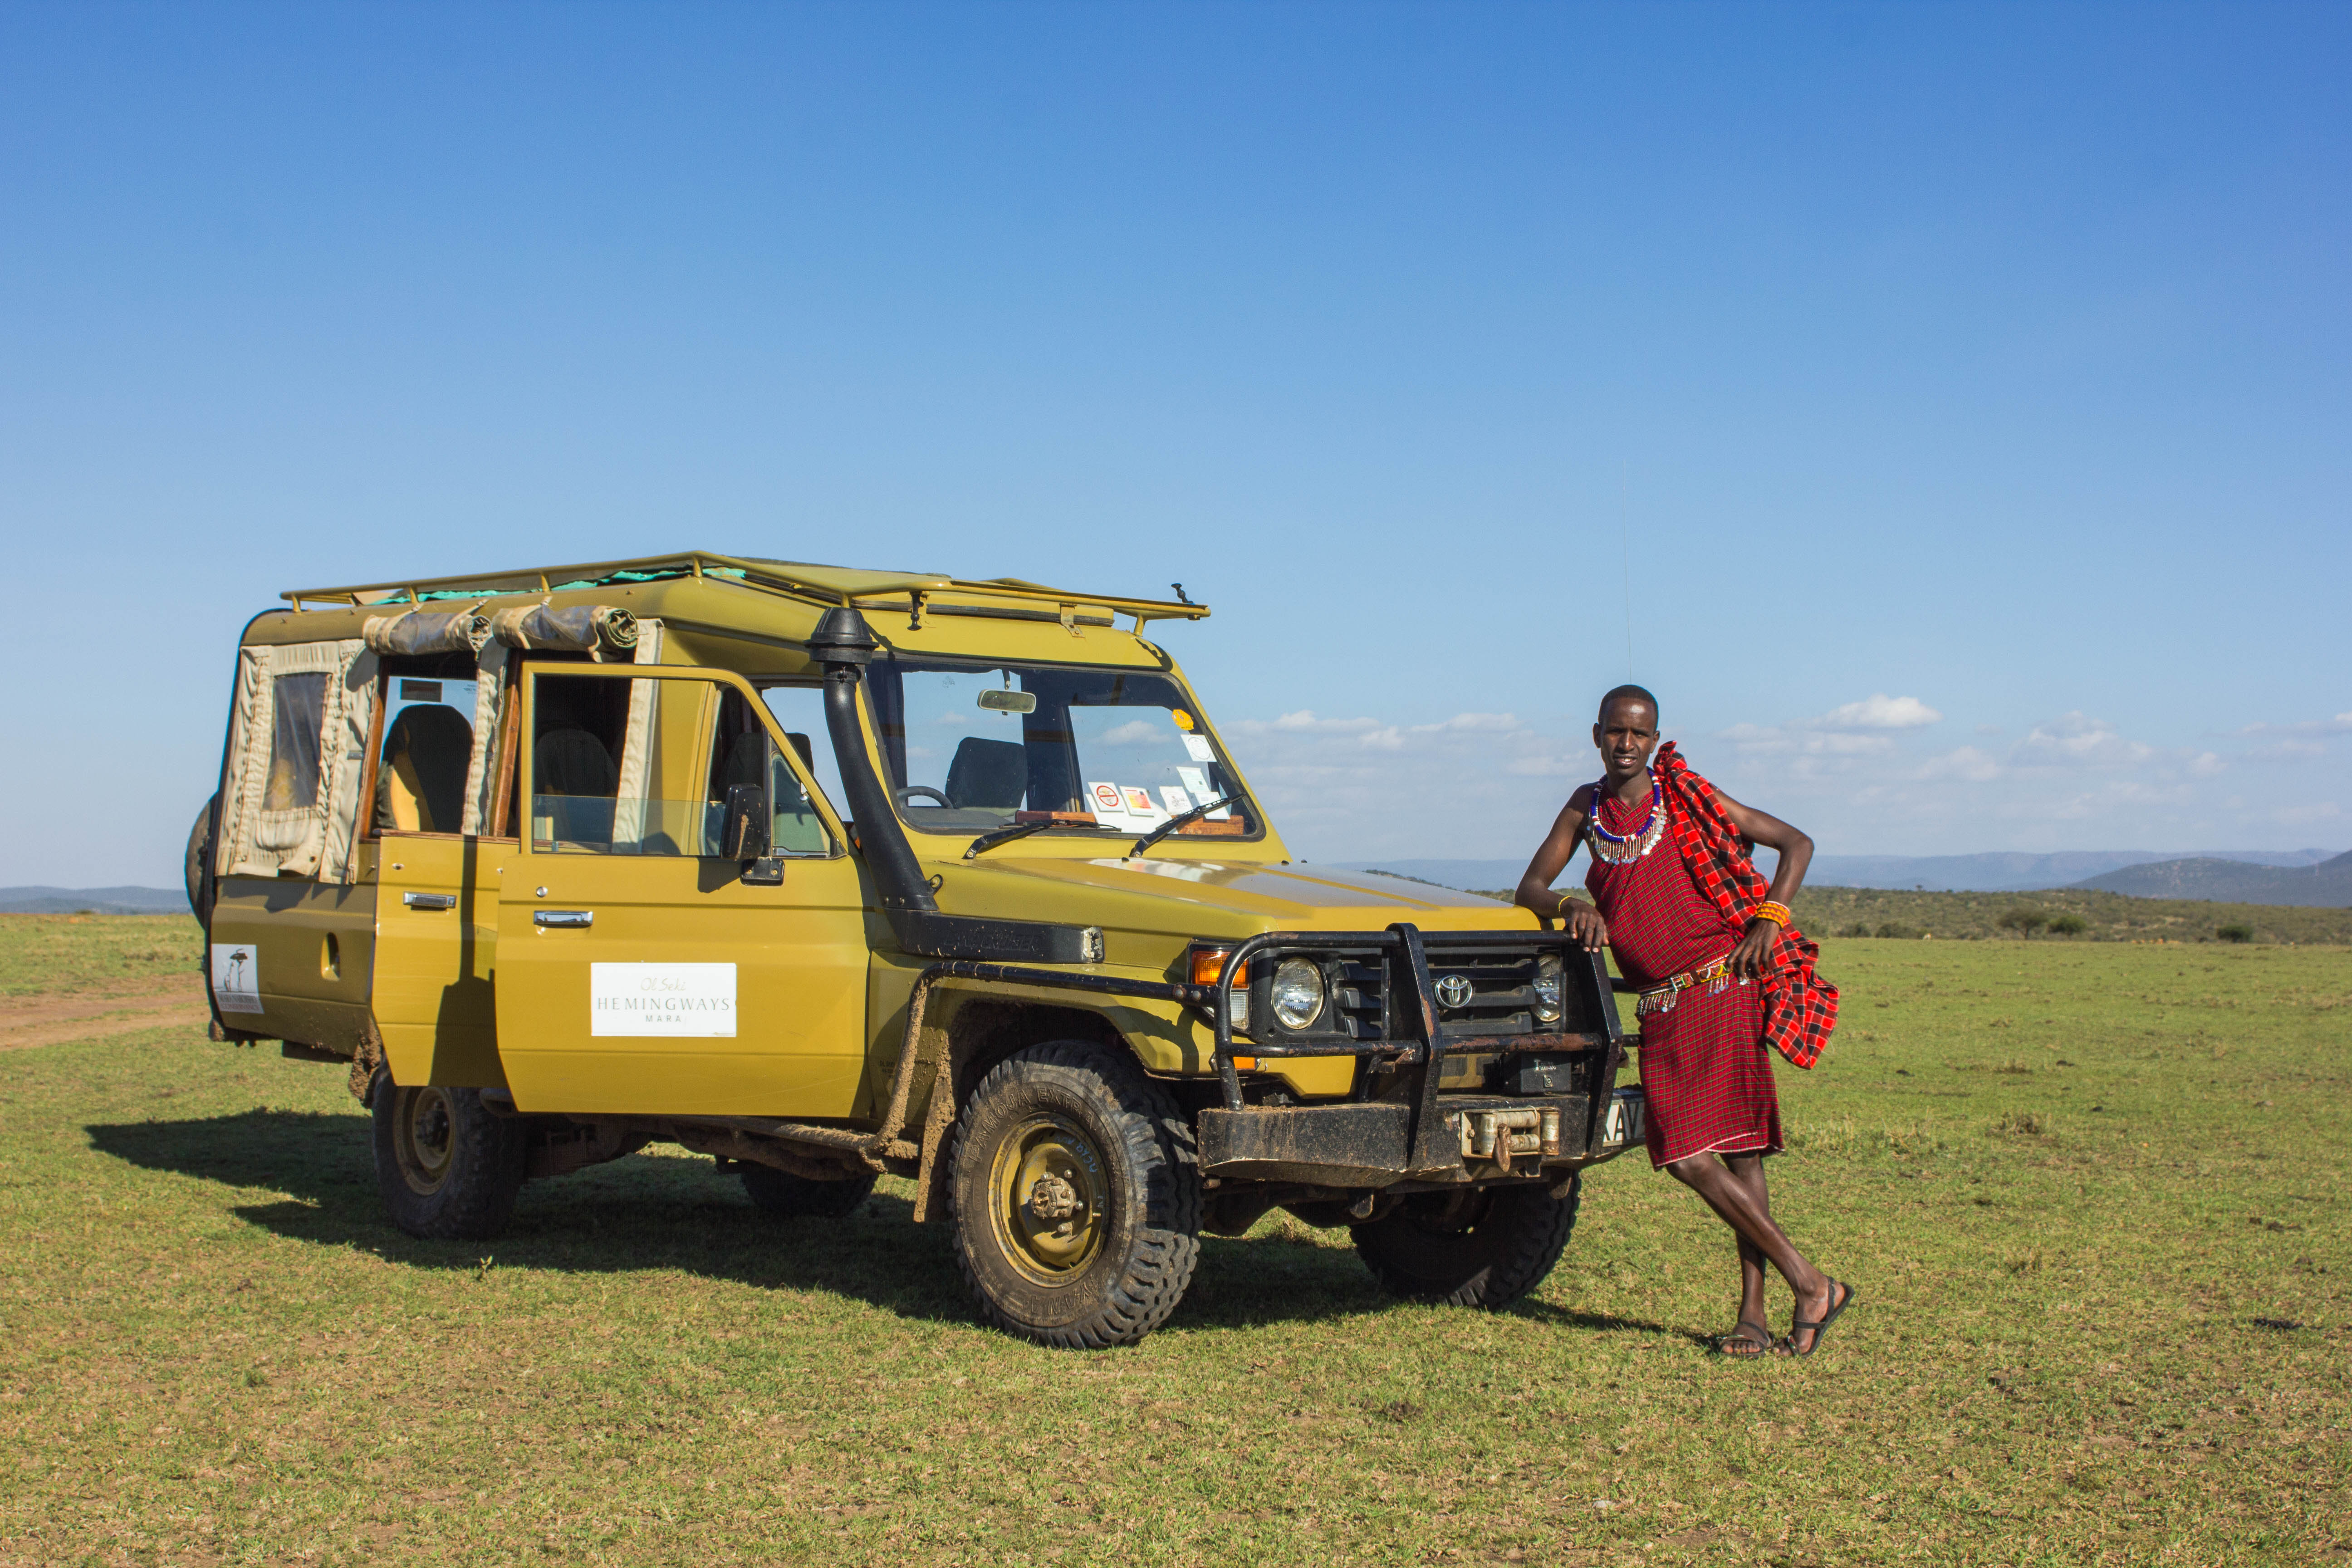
(800, 580)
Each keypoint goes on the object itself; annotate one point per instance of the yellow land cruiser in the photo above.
(827, 873)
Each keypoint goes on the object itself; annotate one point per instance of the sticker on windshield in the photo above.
(685, 999)
(1109, 801)
(236, 976)
(1197, 747)
(1138, 801)
(1197, 783)
(1175, 800)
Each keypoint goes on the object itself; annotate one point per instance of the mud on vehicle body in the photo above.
(830, 874)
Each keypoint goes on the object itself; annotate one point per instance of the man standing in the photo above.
(1721, 972)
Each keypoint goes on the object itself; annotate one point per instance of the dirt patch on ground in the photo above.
(27, 1021)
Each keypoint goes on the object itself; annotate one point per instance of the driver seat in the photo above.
(989, 774)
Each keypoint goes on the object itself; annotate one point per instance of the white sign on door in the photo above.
(236, 976)
(683, 999)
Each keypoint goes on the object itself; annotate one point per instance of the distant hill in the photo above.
(1992, 873)
(2017, 871)
(93, 901)
(2327, 885)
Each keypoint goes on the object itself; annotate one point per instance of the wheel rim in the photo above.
(1049, 1196)
(424, 1137)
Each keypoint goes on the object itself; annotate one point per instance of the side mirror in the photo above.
(743, 834)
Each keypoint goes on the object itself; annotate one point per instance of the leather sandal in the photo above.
(1822, 1328)
(1747, 1331)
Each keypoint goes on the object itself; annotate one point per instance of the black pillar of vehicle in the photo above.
(844, 644)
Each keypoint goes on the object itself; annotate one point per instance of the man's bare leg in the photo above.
(1745, 1209)
(1747, 1169)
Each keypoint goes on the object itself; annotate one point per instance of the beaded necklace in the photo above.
(1617, 849)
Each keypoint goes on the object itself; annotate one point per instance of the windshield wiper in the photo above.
(1173, 823)
(1007, 834)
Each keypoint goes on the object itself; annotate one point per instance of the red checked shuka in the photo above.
(1704, 1069)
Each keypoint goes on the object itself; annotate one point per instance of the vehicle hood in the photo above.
(1215, 898)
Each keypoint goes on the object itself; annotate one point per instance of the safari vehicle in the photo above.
(830, 873)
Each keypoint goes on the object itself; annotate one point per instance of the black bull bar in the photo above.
(1374, 1141)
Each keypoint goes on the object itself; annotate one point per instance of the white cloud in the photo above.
(2339, 725)
(2074, 741)
(1135, 732)
(1964, 762)
(1878, 712)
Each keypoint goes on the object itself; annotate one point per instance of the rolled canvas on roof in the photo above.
(424, 632)
(604, 630)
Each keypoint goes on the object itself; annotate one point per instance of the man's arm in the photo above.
(1551, 859)
(1750, 957)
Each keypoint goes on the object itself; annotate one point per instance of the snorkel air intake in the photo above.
(845, 644)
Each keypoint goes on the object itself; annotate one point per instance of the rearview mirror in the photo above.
(743, 834)
(999, 701)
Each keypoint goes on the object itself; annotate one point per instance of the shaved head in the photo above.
(1629, 694)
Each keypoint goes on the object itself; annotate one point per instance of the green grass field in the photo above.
(2087, 1192)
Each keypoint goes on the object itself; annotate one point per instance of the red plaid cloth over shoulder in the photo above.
(1799, 1006)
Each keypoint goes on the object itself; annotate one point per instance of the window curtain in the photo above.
(637, 743)
(262, 838)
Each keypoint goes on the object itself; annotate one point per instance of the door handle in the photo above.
(429, 900)
(571, 919)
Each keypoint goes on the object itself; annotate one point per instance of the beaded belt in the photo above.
(1661, 998)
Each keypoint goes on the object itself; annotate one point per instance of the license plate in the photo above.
(1623, 1125)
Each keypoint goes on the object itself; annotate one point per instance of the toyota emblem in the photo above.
(1454, 991)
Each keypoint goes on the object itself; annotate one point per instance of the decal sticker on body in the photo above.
(642, 999)
(236, 976)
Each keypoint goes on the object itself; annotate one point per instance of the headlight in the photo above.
(1298, 993)
(1552, 982)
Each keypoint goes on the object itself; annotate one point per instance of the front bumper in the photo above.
(1402, 1124)
(1369, 1143)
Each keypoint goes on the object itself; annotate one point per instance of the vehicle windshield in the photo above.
(972, 748)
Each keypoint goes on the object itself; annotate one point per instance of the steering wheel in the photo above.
(924, 789)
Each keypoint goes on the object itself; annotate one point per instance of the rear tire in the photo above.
(448, 1168)
(787, 1196)
(1483, 1247)
(1077, 1197)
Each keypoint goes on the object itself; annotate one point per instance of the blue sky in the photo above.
(1961, 392)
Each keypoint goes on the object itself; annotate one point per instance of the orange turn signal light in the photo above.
(1245, 1064)
(1209, 963)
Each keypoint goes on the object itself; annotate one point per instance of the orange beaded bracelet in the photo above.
(1778, 913)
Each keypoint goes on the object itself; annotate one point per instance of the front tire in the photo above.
(448, 1168)
(1479, 1247)
(1077, 1197)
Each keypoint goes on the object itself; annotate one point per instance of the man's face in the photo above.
(1627, 735)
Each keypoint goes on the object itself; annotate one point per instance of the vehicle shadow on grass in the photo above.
(641, 1214)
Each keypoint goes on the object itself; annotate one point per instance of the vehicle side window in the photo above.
(428, 747)
(643, 767)
(745, 754)
(300, 705)
(799, 711)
